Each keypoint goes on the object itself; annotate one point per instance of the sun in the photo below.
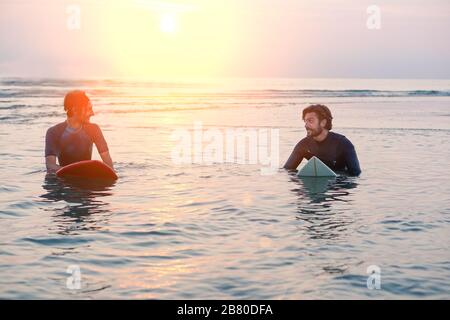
(162, 41)
(168, 23)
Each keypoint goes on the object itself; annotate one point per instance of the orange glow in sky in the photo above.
(168, 40)
(224, 38)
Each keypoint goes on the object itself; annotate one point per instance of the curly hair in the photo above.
(322, 112)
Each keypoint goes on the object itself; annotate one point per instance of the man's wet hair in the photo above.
(75, 99)
(322, 112)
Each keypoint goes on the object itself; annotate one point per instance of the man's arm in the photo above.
(295, 158)
(102, 146)
(106, 157)
(50, 163)
(351, 159)
(51, 150)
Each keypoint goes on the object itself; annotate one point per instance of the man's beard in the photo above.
(314, 132)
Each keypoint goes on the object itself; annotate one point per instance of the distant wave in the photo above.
(17, 88)
(363, 93)
(261, 94)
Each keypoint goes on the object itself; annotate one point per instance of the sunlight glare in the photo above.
(168, 23)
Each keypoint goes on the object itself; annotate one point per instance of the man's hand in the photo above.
(50, 163)
(107, 159)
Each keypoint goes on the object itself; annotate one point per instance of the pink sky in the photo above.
(248, 38)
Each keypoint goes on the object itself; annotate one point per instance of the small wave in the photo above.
(9, 213)
(363, 93)
(150, 233)
(6, 188)
(13, 107)
(57, 241)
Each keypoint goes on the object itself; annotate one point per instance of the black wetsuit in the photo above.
(71, 145)
(336, 151)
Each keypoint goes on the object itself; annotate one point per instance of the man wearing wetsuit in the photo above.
(333, 149)
(71, 141)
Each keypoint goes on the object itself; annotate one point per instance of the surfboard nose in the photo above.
(316, 168)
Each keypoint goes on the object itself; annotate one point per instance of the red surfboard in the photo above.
(91, 169)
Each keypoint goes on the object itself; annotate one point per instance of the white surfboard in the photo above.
(316, 168)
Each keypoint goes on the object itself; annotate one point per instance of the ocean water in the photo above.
(168, 230)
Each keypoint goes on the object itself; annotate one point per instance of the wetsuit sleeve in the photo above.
(295, 158)
(99, 139)
(351, 159)
(51, 143)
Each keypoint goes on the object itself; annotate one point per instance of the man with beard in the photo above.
(71, 141)
(333, 149)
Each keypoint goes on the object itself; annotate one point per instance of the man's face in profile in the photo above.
(85, 113)
(313, 126)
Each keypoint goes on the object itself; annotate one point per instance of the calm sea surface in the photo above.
(167, 230)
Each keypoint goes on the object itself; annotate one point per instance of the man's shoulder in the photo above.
(91, 128)
(303, 142)
(341, 138)
(57, 128)
(336, 135)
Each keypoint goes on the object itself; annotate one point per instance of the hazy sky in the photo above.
(232, 38)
